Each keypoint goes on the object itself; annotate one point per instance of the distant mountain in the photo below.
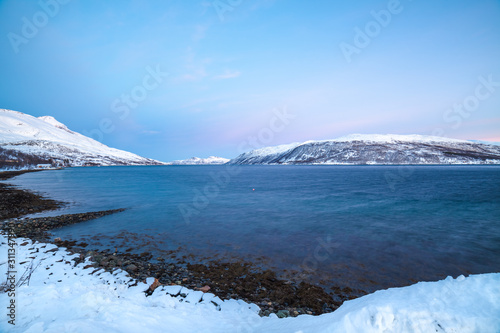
(493, 143)
(26, 140)
(201, 161)
(376, 149)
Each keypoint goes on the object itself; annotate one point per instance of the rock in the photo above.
(154, 285)
(283, 313)
(265, 313)
(131, 267)
(204, 289)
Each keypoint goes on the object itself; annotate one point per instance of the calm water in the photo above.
(367, 227)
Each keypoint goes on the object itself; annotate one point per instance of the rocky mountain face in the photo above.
(376, 149)
(26, 141)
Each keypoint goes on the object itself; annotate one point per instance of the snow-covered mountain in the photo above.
(44, 139)
(201, 161)
(494, 143)
(376, 149)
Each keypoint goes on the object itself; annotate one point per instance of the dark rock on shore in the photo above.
(36, 228)
(15, 202)
(4, 175)
(238, 280)
(264, 287)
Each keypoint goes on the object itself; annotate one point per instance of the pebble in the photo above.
(131, 267)
(283, 314)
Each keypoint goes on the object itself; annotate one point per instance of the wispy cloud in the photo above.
(150, 132)
(205, 6)
(193, 105)
(228, 74)
(200, 31)
(196, 69)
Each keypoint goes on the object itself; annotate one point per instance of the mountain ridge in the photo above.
(24, 138)
(384, 149)
(27, 140)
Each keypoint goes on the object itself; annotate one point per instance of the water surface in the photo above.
(366, 227)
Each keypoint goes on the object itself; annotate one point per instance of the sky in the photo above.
(175, 79)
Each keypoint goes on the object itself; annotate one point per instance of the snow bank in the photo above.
(63, 298)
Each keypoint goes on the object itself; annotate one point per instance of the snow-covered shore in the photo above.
(64, 298)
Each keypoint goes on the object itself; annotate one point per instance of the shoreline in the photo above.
(15, 202)
(227, 280)
(56, 295)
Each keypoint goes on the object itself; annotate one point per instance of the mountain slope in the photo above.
(212, 160)
(376, 149)
(47, 139)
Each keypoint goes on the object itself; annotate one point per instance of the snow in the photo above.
(379, 138)
(272, 150)
(17, 129)
(392, 138)
(200, 161)
(51, 120)
(491, 143)
(64, 298)
(380, 149)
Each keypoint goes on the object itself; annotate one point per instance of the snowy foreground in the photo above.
(63, 298)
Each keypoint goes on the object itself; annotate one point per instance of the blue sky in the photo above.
(175, 79)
